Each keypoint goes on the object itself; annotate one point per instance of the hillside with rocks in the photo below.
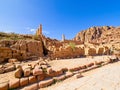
(104, 34)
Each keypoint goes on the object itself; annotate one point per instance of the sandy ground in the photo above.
(103, 78)
(70, 63)
(58, 64)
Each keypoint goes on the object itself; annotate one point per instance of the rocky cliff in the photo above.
(102, 34)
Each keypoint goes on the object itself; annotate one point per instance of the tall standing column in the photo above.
(63, 37)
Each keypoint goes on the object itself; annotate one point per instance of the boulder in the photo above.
(24, 81)
(64, 69)
(78, 75)
(14, 83)
(55, 73)
(18, 66)
(58, 72)
(49, 70)
(74, 69)
(83, 67)
(90, 64)
(4, 86)
(41, 77)
(32, 87)
(12, 60)
(114, 58)
(37, 71)
(27, 72)
(68, 74)
(98, 62)
(32, 79)
(45, 83)
(18, 73)
(59, 78)
(2, 70)
(26, 67)
(10, 68)
(71, 69)
(32, 65)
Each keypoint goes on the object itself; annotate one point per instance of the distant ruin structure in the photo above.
(39, 30)
(63, 37)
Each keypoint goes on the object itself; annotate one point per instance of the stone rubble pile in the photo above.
(39, 75)
(21, 50)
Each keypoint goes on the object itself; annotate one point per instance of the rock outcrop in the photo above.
(21, 49)
(103, 34)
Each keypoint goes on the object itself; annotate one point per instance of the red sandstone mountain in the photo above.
(105, 34)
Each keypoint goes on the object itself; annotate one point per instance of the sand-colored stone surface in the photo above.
(70, 63)
(5, 77)
(104, 78)
(56, 65)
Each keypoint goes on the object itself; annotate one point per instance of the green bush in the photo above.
(72, 45)
(35, 37)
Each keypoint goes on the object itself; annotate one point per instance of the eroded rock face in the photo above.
(21, 49)
(92, 34)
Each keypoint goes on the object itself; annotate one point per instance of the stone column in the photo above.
(63, 37)
(40, 29)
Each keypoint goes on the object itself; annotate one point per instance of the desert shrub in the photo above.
(35, 37)
(72, 45)
(44, 70)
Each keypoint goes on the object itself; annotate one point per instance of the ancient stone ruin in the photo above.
(28, 56)
(39, 31)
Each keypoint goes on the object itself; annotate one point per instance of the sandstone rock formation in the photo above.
(21, 49)
(99, 34)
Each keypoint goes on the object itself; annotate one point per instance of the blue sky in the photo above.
(57, 16)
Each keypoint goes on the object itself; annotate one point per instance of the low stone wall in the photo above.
(68, 53)
(76, 52)
(26, 49)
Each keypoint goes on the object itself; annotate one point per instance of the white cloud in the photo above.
(32, 30)
(46, 32)
(7, 31)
